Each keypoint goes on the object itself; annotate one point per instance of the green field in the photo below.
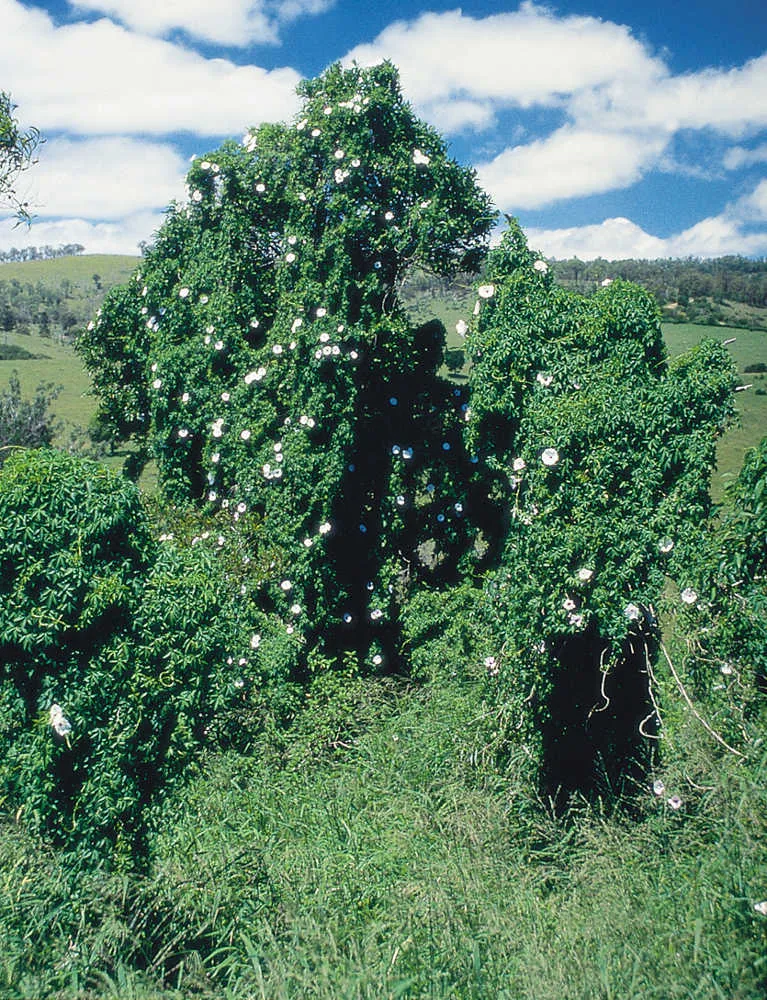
(112, 269)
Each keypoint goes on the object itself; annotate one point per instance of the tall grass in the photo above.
(409, 860)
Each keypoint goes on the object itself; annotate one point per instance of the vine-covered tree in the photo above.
(600, 450)
(262, 355)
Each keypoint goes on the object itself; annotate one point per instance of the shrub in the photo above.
(116, 656)
(25, 423)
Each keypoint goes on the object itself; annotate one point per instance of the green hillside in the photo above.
(112, 269)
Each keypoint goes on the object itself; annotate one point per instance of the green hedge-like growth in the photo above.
(116, 653)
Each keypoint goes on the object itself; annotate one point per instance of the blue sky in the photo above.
(609, 128)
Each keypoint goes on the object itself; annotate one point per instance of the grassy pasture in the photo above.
(113, 269)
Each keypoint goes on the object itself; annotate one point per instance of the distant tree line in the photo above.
(47, 252)
(680, 280)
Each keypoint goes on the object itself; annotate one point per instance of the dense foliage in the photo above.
(115, 654)
(263, 357)
(596, 453)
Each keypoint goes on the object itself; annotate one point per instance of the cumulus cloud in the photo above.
(99, 78)
(728, 101)
(120, 236)
(620, 103)
(522, 58)
(571, 162)
(105, 178)
(727, 233)
(740, 156)
(226, 22)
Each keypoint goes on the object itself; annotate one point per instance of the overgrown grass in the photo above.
(409, 860)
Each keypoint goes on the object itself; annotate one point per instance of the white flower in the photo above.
(215, 458)
(295, 609)
(290, 257)
(550, 457)
(761, 907)
(388, 216)
(726, 669)
(322, 311)
(658, 787)
(245, 435)
(541, 265)
(325, 528)
(225, 397)
(239, 683)
(575, 619)
(376, 614)
(339, 154)
(260, 188)
(286, 585)
(585, 574)
(185, 397)
(486, 291)
(355, 162)
(277, 349)
(255, 641)
(544, 379)
(300, 126)
(324, 338)
(183, 432)
(197, 196)
(183, 292)
(518, 464)
(297, 322)
(689, 596)
(461, 327)
(607, 282)
(675, 802)
(377, 660)
(58, 721)
(420, 159)
(301, 196)
(569, 604)
(219, 345)
(632, 612)
(157, 383)
(327, 110)
(665, 545)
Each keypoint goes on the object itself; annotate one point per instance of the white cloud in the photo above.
(618, 238)
(525, 58)
(728, 101)
(227, 22)
(101, 79)
(122, 236)
(739, 156)
(104, 178)
(752, 207)
(569, 163)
